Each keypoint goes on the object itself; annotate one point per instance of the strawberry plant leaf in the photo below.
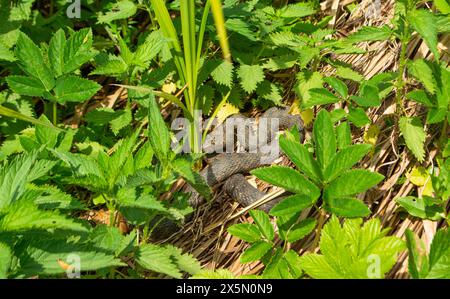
(301, 157)
(324, 138)
(245, 231)
(352, 182)
(300, 230)
(263, 222)
(345, 159)
(288, 179)
(347, 207)
(255, 252)
(291, 205)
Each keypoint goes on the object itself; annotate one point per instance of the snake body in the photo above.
(229, 169)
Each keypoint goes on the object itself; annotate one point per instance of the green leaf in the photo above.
(337, 85)
(25, 215)
(106, 237)
(6, 54)
(345, 159)
(75, 89)
(324, 138)
(320, 96)
(344, 135)
(112, 66)
(421, 97)
(424, 208)
(348, 73)
(368, 96)
(245, 231)
(302, 158)
(185, 262)
(45, 134)
(352, 182)
(414, 134)
(288, 179)
(250, 76)
(158, 259)
(27, 86)
(255, 252)
(358, 117)
(417, 258)
(56, 52)
(158, 131)
(123, 9)
(301, 229)
(223, 73)
(32, 61)
(352, 251)
(184, 168)
(297, 10)
(77, 50)
(422, 71)
(316, 266)
(347, 207)
(262, 220)
(148, 50)
(423, 21)
(5, 260)
(370, 34)
(13, 178)
(439, 258)
(291, 205)
(443, 6)
(47, 257)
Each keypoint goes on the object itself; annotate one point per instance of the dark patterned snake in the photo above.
(229, 168)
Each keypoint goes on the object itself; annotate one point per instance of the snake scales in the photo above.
(229, 169)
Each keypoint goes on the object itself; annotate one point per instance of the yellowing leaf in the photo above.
(428, 188)
(418, 176)
(307, 116)
(371, 135)
(225, 111)
(169, 88)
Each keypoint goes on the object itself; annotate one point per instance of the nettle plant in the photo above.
(126, 181)
(410, 19)
(51, 70)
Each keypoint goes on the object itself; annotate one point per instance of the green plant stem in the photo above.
(320, 224)
(400, 84)
(55, 113)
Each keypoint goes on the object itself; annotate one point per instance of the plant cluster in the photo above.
(85, 104)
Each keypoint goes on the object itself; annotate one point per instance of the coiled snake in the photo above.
(229, 168)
